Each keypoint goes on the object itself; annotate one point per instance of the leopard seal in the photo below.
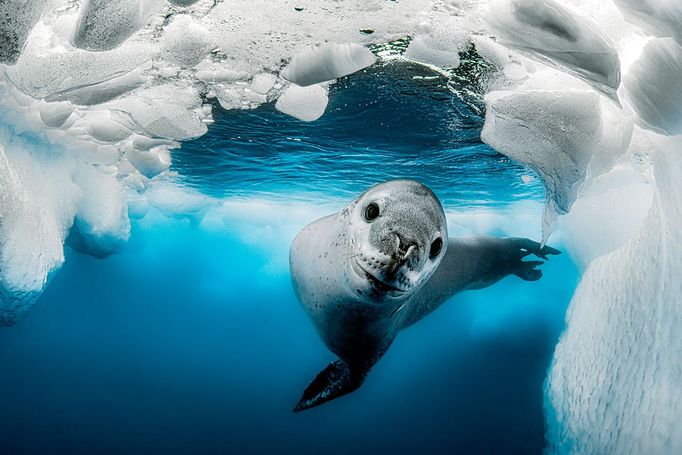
(380, 265)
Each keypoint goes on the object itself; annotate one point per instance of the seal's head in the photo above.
(398, 236)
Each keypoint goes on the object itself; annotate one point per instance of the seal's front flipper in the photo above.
(526, 270)
(334, 381)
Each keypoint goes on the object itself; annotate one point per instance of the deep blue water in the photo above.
(191, 341)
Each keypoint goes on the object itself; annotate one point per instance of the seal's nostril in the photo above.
(404, 246)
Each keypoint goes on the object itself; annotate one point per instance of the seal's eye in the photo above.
(371, 212)
(436, 248)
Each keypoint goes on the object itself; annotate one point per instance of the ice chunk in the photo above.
(551, 33)
(662, 18)
(326, 63)
(438, 44)
(163, 111)
(654, 86)
(106, 24)
(101, 226)
(429, 51)
(177, 202)
(16, 19)
(149, 162)
(37, 210)
(552, 132)
(263, 82)
(304, 103)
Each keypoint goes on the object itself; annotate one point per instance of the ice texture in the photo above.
(106, 24)
(662, 18)
(613, 174)
(183, 2)
(438, 44)
(327, 63)
(552, 33)
(553, 132)
(16, 19)
(660, 65)
(304, 103)
(186, 42)
(614, 386)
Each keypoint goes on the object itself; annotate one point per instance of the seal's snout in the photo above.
(404, 248)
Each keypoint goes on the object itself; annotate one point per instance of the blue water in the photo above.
(191, 340)
(389, 121)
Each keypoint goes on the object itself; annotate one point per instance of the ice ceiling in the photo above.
(96, 94)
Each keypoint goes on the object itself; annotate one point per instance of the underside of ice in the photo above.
(105, 24)
(304, 103)
(553, 132)
(327, 63)
(546, 30)
(662, 18)
(660, 65)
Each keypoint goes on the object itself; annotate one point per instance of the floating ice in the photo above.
(438, 44)
(304, 103)
(553, 132)
(38, 201)
(101, 226)
(326, 63)
(654, 86)
(550, 32)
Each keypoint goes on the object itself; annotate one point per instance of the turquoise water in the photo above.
(191, 340)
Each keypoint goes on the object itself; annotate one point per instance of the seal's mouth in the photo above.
(375, 282)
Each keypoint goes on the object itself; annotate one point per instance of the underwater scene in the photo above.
(340, 227)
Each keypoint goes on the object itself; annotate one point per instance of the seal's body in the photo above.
(382, 264)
